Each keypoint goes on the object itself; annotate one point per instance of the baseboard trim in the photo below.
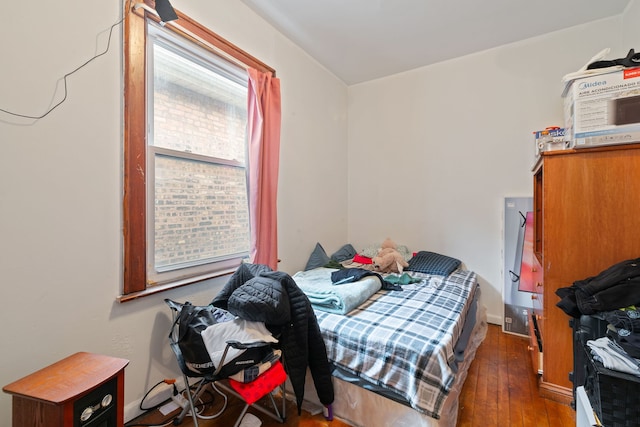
(494, 320)
(556, 393)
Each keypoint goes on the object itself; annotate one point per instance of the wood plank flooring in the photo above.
(500, 390)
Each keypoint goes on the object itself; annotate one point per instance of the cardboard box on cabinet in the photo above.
(603, 109)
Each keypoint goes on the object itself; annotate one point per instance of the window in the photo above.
(197, 208)
(186, 206)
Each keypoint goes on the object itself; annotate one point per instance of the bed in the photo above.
(400, 357)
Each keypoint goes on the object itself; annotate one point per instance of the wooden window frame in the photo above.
(134, 191)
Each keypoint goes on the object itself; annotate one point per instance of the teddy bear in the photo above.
(389, 259)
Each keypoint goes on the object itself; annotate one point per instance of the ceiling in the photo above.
(361, 40)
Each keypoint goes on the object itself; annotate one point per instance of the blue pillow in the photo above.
(318, 258)
(433, 263)
(344, 253)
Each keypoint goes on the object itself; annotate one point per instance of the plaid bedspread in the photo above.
(404, 340)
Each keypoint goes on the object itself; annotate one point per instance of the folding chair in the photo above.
(250, 383)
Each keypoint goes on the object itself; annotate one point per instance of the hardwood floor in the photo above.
(500, 390)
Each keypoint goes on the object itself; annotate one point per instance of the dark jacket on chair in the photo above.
(257, 293)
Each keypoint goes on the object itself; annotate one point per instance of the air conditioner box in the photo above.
(603, 109)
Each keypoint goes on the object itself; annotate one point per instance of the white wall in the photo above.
(459, 131)
(630, 27)
(434, 151)
(61, 185)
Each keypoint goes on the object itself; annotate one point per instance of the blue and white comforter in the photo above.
(404, 340)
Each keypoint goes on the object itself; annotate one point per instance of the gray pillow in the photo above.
(318, 258)
(344, 253)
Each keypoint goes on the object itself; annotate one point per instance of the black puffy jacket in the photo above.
(257, 293)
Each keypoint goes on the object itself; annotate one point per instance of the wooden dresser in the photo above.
(586, 218)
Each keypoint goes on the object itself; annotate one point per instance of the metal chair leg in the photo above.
(244, 411)
(199, 390)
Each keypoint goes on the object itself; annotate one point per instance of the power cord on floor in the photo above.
(166, 422)
(200, 405)
(204, 404)
(168, 381)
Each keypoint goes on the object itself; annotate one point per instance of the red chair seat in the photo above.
(261, 386)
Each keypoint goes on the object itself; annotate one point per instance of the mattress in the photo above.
(408, 347)
(366, 406)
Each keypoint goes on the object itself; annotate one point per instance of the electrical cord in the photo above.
(27, 116)
(200, 405)
(165, 381)
(166, 422)
(203, 404)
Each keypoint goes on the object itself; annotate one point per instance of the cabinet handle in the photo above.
(539, 284)
(534, 296)
(529, 348)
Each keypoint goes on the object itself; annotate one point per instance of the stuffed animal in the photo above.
(388, 259)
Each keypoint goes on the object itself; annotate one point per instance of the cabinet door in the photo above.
(591, 213)
(591, 200)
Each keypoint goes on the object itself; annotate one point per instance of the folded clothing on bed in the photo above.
(339, 299)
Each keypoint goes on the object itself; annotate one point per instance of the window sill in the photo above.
(152, 290)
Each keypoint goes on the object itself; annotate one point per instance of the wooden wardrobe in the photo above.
(586, 218)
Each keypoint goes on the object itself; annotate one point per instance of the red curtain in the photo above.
(264, 161)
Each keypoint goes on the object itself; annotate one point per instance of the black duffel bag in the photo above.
(186, 341)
